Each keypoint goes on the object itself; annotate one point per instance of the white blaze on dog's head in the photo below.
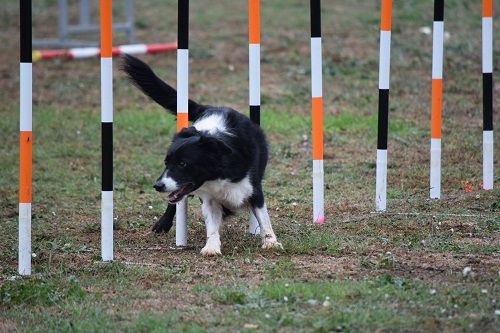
(168, 183)
(213, 124)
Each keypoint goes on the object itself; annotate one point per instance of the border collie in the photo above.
(221, 159)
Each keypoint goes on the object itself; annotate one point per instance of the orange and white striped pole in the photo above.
(25, 139)
(437, 99)
(182, 106)
(383, 105)
(106, 130)
(254, 79)
(317, 113)
(487, 42)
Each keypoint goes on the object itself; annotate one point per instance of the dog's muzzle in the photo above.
(159, 186)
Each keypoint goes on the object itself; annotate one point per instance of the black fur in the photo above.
(146, 80)
(194, 156)
(164, 224)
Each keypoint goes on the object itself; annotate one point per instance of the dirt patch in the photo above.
(421, 265)
(435, 267)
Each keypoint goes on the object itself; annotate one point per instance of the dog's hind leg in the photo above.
(269, 240)
(164, 224)
(213, 220)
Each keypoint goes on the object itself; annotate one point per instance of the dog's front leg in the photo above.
(269, 240)
(213, 220)
(258, 206)
(164, 224)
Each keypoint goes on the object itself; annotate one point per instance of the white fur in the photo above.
(227, 193)
(218, 193)
(213, 124)
(169, 183)
(269, 240)
(213, 220)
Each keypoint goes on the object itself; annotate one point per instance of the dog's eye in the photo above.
(181, 164)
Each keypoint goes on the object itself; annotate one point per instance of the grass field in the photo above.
(401, 271)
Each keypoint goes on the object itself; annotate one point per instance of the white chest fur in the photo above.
(231, 195)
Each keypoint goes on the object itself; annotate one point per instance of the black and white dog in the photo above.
(221, 159)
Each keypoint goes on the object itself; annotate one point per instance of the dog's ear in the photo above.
(188, 132)
(214, 144)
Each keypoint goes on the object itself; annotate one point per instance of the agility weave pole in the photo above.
(25, 139)
(254, 59)
(317, 113)
(182, 105)
(487, 42)
(91, 52)
(437, 99)
(106, 130)
(383, 105)
(254, 79)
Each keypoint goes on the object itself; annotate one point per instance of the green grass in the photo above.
(383, 302)
(39, 292)
(229, 296)
(378, 304)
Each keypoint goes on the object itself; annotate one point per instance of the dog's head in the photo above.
(192, 159)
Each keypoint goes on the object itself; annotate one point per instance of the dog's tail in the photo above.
(143, 77)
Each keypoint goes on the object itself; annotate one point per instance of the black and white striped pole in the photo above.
(487, 42)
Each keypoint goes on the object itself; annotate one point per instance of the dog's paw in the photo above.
(212, 248)
(270, 244)
(208, 251)
(164, 223)
(162, 226)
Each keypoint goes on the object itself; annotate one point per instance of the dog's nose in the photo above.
(159, 186)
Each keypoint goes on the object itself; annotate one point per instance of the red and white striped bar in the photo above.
(317, 113)
(437, 99)
(182, 106)
(254, 79)
(25, 139)
(487, 41)
(106, 131)
(92, 52)
(383, 111)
